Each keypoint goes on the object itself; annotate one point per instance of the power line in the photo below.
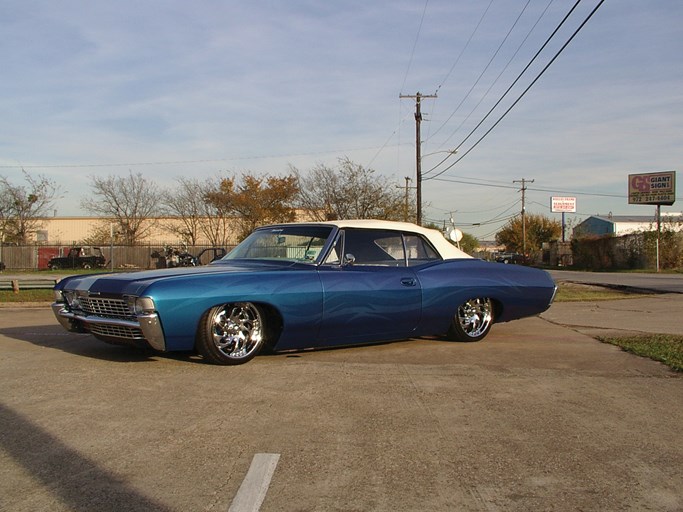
(197, 161)
(471, 181)
(417, 37)
(564, 46)
(485, 68)
(467, 44)
(519, 76)
(512, 57)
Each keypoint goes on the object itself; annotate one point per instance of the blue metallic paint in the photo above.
(330, 305)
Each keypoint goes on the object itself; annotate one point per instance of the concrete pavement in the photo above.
(536, 417)
(645, 314)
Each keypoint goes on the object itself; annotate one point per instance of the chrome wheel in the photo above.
(232, 333)
(473, 320)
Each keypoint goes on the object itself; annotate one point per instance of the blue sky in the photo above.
(177, 88)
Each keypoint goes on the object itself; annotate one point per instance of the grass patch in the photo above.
(574, 292)
(666, 348)
(40, 295)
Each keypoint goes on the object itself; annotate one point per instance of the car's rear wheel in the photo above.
(231, 333)
(472, 321)
(54, 266)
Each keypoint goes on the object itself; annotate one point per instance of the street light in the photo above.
(418, 181)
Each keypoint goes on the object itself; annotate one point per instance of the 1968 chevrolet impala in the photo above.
(304, 285)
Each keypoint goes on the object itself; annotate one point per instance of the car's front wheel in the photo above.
(472, 321)
(231, 333)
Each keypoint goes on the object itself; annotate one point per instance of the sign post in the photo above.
(657, 188)
(563, 205)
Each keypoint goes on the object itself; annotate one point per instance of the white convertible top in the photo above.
(446, 249)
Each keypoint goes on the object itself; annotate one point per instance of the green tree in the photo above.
(539, 229)
(469, 243)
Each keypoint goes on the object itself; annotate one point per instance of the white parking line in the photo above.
(254, 487)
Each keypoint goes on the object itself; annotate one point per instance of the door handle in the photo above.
(408, 281)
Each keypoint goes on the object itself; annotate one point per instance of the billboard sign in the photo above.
(652, 188)
(563, 204)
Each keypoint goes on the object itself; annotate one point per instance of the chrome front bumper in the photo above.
(148, 325)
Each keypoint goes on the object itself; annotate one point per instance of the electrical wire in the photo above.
(512, 57)
(462, 52)
(545, 68)
(417, 37)
(485, 68)
(198, 161)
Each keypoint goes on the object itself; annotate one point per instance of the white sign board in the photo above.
(563, 204)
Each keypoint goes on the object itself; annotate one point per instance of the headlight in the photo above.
(71, 299)
(140, 305)
(58, 295)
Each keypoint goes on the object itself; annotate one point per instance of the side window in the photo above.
(335, 254)
(419, 251)
(375, 247)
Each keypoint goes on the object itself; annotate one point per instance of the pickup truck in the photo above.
(79, 257)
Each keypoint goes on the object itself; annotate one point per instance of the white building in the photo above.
(618, 225)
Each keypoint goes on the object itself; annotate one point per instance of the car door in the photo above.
(369, 294)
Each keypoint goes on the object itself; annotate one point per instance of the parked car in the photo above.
(78, 257)
(306, 285)
(510, 257)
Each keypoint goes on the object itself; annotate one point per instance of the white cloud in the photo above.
(258, 86)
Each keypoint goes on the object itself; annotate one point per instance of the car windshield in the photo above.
(284, 243)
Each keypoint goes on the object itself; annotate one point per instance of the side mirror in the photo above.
(349, 259)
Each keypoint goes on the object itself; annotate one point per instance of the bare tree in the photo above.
(216, 219)
(194, 215)
(131, 201)
(349, 191)
(186, 205)
(23, 206)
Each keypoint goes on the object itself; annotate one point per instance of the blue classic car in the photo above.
(305, 285)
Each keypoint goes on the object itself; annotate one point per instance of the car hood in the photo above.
(134, 282)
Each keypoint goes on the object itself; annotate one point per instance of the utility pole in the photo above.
(523, 181)
(407, 198)
(407, 209)
(418, 155)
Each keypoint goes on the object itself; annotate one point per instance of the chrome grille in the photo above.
(115, 308)
(116, 331)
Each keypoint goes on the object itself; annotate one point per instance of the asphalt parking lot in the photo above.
(539, 416)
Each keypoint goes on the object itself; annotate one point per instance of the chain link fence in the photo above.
(137, 257)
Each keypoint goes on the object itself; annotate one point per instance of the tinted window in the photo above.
(419, 250)
(374, 247)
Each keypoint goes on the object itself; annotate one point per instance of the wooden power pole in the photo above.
(523, 181)
(418, 155)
